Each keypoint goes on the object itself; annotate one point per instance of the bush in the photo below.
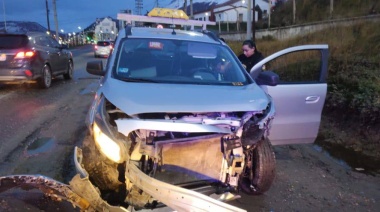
(354, 89)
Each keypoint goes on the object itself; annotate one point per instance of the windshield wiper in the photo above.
(137, 80)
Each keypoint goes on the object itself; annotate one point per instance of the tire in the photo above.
(259, 173)
(103, 173)
(70, 68)
(45, 80)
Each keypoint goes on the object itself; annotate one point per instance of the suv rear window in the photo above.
(13, 41)
(103, 43)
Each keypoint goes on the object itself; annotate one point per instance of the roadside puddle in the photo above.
(40, 145)
(350, 159)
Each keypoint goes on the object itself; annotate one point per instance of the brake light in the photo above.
(28, 73)
(111, 47)
(27, 54)
(96, 47)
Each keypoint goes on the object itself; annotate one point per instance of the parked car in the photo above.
(33, 57)
(168, 127)
(103, 49)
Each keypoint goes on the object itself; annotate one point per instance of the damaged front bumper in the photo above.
(176, 198)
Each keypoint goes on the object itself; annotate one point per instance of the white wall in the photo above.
(283, 33)
(231, 12)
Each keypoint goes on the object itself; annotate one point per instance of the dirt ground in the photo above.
(307, 179)
(310, 180)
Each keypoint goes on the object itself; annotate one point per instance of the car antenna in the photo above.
(173, 26)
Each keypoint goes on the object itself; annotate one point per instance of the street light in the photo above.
(80, 32)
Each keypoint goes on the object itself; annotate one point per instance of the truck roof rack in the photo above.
(164, 20)
(211, 34)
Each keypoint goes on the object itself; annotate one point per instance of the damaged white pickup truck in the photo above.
(177, 122)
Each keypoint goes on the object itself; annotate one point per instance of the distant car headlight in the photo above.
(106, 145)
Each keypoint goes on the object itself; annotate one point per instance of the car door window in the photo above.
(297, 67)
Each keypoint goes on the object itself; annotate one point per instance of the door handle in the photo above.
(312, 99)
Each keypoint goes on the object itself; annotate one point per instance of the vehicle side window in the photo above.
(297, 67)
(53, 42)
(42, 41)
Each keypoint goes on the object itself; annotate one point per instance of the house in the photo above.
(105, 29)
(234, 12)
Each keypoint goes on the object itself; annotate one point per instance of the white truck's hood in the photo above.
(135, 98)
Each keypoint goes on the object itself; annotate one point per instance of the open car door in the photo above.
(300, 94)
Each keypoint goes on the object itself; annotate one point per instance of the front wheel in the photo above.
(259, 171)
(45, 80)
(69, 73)
(102, 172)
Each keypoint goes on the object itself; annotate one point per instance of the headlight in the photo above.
(107, 146)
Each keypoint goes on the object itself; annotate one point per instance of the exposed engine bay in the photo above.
(188, 150)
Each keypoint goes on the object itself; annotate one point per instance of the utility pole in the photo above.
(249, 19)
(55, 19)
(251, 22)
(191, 10)
(185, 10)
(47, 15)
(269, 12)
(331, 8)
(254, 21)
(138, 6)
(185, 6)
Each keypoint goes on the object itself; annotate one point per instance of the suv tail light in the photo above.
(24, 54)
(28, 73)
(96, 47)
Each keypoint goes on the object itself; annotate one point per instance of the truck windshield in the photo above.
(175, 61)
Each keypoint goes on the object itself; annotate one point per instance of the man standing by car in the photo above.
(250, 55)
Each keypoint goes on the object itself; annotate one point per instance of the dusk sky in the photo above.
(70, 13)
(74, 13)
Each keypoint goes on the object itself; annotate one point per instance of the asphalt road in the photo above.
(45, 123)
(39, 129)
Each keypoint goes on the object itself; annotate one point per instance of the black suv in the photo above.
(33, 57)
